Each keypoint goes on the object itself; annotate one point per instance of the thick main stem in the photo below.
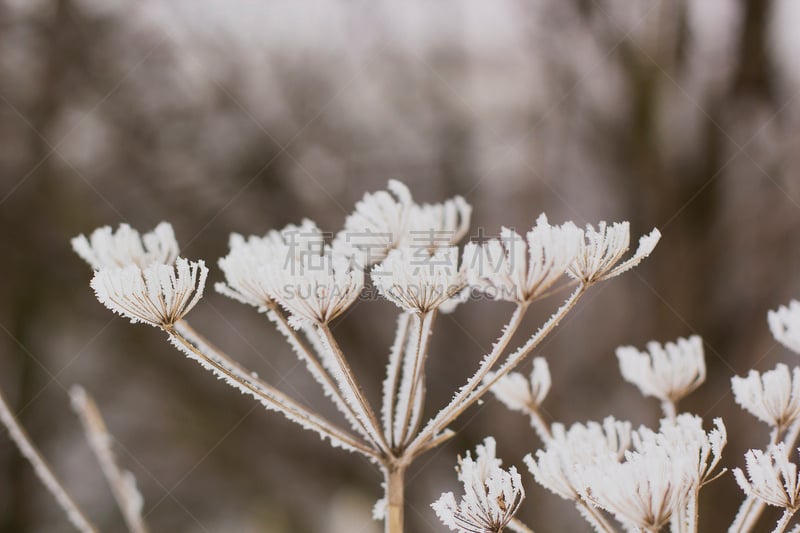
(395, 494)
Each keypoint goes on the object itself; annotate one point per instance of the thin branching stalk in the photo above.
(416, 395)
(464, 399)
(270, 397)
(518, 526)
(394, 477)
(669, 409)
(122, 482)
(539, 425)
(392, 381)
(354, 388)
(783, 523)
(594, 516)
(43, 471)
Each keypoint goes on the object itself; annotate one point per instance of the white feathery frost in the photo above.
(668, 372)
(521, 394)
(491, 497)
(685, 440)
(243, 266)
(314, 288)
(773, 397)
(603, 248)
(582, 444)
(784, 322)
(416, 281)
(520, 270)
(643, 491)
(105, 248)
(378, 225)
(432, 226)
(771, 477)
(158, 295)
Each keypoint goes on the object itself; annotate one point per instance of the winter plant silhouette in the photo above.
(408, 252)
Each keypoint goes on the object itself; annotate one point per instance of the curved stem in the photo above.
(269, 396)
(20, 437)
(518, 526)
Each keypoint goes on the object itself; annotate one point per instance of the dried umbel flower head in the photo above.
(521, 394)
(771, 477)
(685, 440)
(243, 266)
(108, 249)
(668, 372)
(643, 491)
(314, 288)
(521, 269)
(158, 295)
(416, 281)
(784, 322)
(555, 466)
(491, 497)
(602, 248)
(378, 225)
(773, 397)
(433, 226)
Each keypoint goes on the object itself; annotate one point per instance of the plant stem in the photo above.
(669, 408)
(395, 486)
(518, 526)
(20, 437)
(780, 527)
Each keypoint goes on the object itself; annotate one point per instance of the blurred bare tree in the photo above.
(246, 116)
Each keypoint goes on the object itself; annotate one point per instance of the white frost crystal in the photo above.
(784, 322)
(773, 397)
(416, 281)
(108, 249)
(603, 248)
(158, 295)
(521, 269)
(521, 394)
(668, 372)
(771, 477)
(491, 494)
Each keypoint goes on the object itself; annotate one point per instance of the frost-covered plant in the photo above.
(302, 282)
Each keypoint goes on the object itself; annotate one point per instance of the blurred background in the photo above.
(245, 116)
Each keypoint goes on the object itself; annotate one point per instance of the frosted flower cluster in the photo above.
(771, 477)
(668, 372)
(523, 394)
(602, 248)
(491, 496)
(106, 248)
(784, 322)
(773, 397)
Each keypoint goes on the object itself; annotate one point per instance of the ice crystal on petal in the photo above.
(158, 295)
(555, 466)
(684, 439)
(314, 287)
(603, 248)
(378, 225)
(642, 491)
(105, 248)
(432, 226)
(243, 266)
(521, 394)
(773, 397)
(668, 372)
(784, 322)
(416, 281)
(771, 477)
(491, 494)
(520, 270)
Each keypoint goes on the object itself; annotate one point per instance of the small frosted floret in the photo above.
(771, 477)
(314, 288)
(416, 281)
(784, 322)
(105, 248)
(602, 248)
(773, 397)
(158, 295)
(523, 394)
(643, 491)
(378, 225)
(668, 372)
(520, 269)
(555, 467)
(244, 265)
(684, 439)
(432, 226)
(491, 497)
